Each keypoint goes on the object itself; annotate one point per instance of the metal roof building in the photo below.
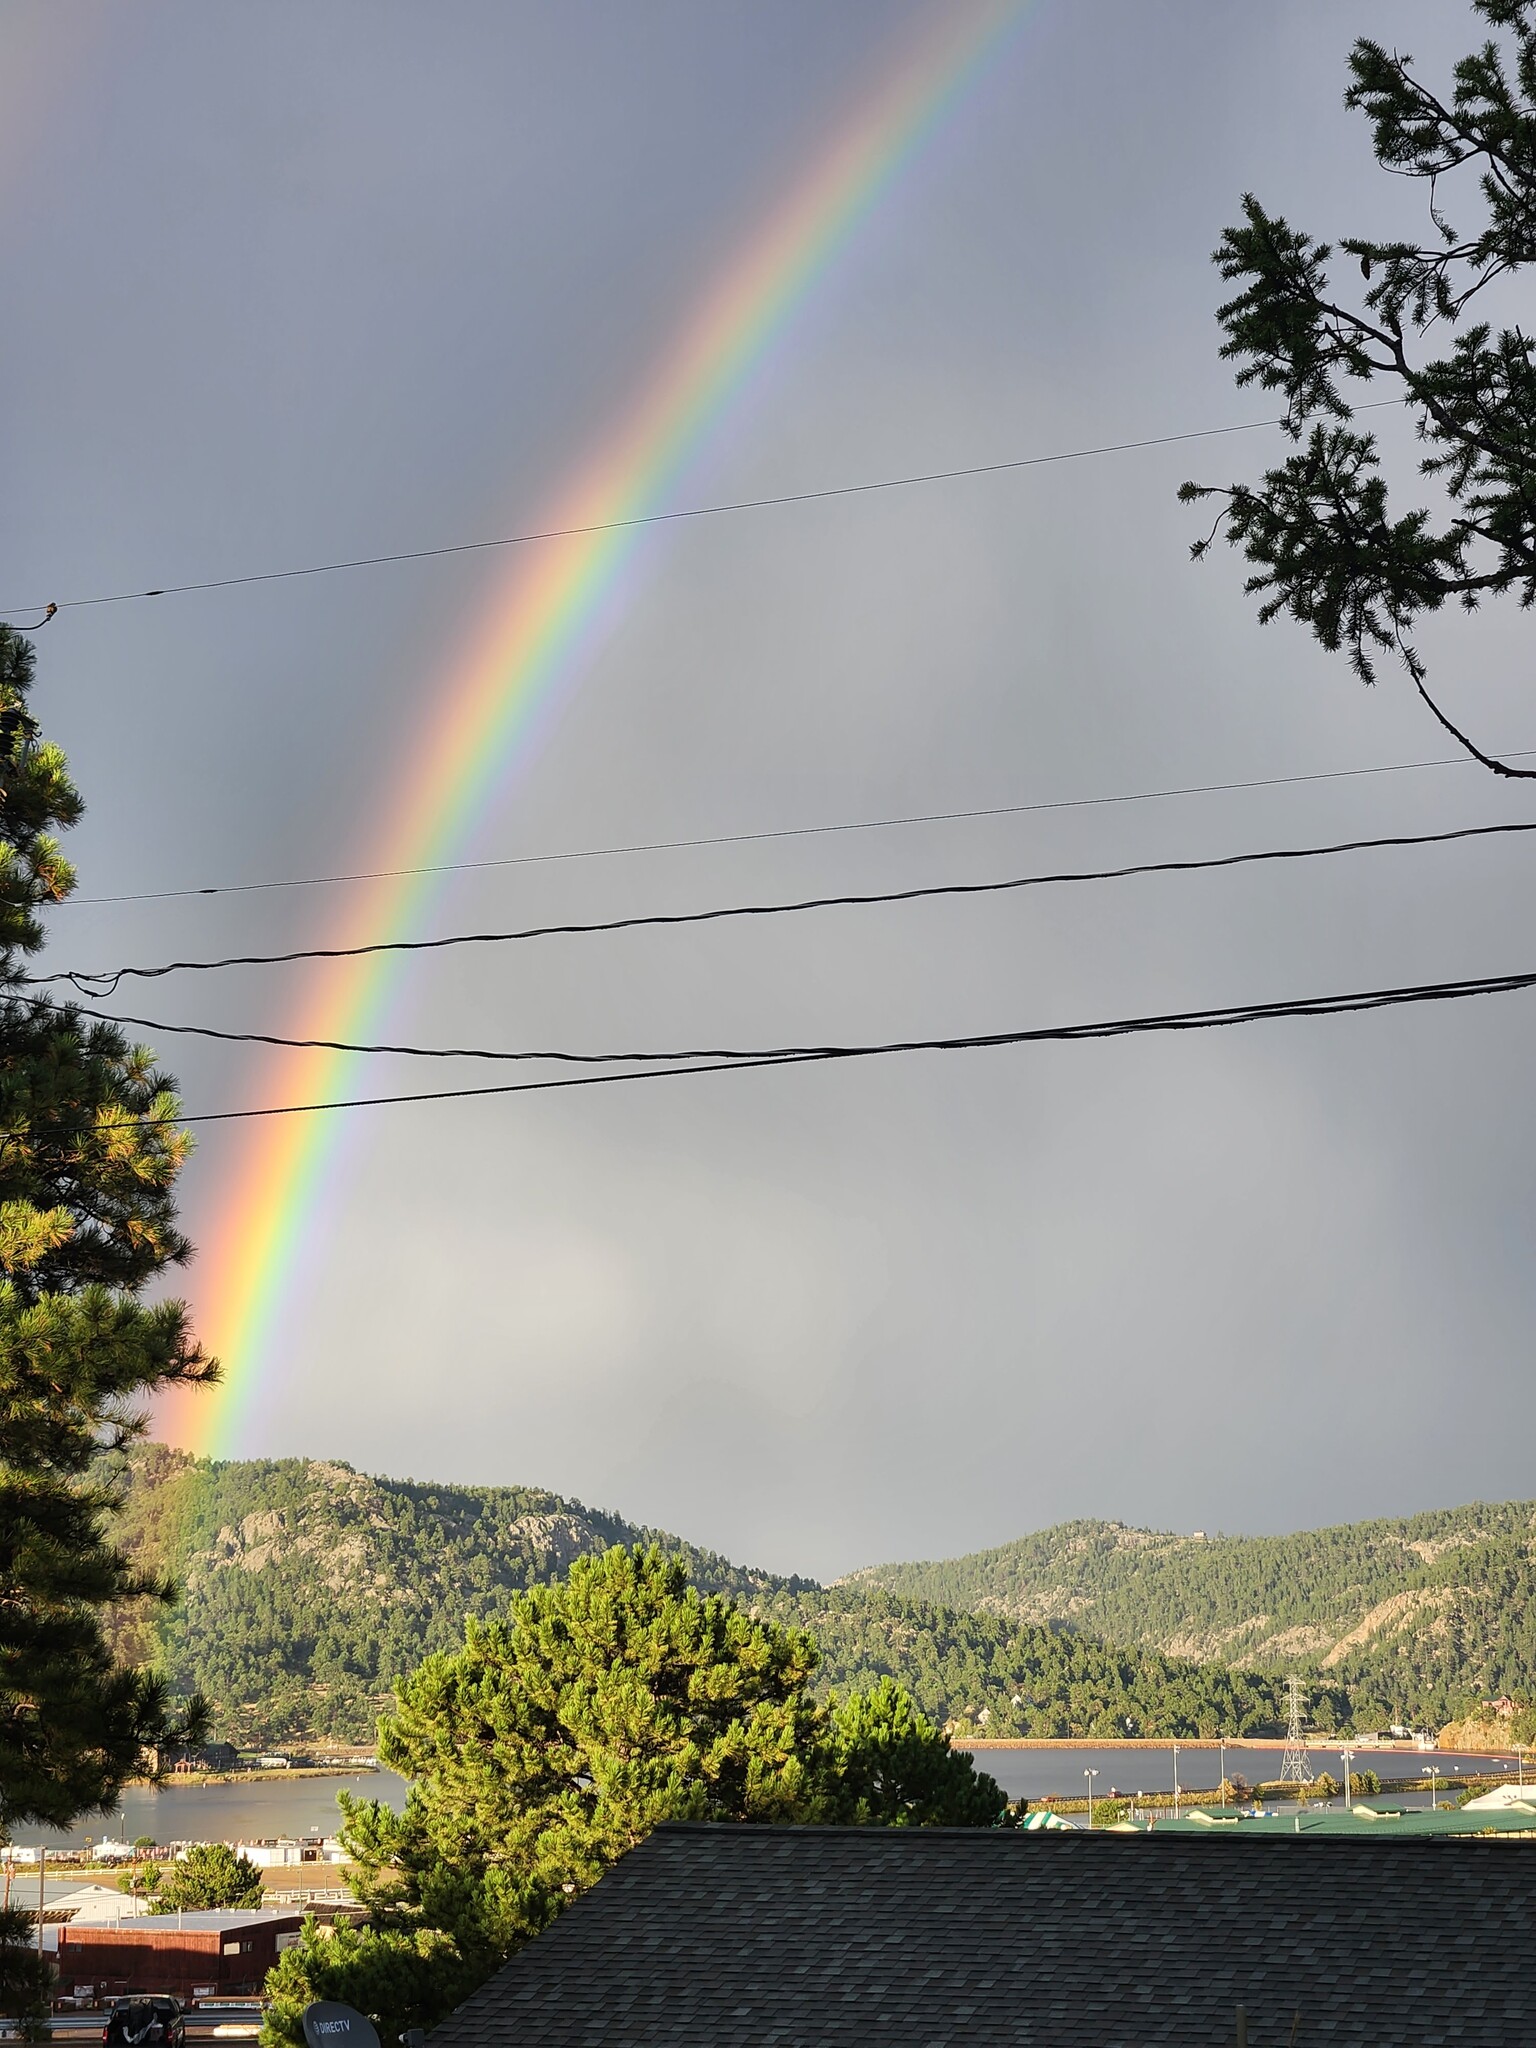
(190, 1955)
(758, 1937)
(1375, 1818)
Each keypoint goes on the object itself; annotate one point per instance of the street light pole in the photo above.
(1434, 1789)
(1175, 1781)
(1223, 1793)
(1347, 1757)
(1090, 1776)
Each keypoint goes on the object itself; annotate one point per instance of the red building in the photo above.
(193, 1955)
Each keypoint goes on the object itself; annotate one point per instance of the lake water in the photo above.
(251, 1812)
(279, 1805)
(1032, 1773)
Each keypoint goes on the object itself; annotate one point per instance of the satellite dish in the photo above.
(337, 2026)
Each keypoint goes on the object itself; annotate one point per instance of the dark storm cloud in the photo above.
(303, 281)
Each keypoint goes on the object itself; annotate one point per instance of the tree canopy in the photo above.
(891, 1767)
(360, 1579)
(210, 1878)
(89, 1154)
(561, 1734)
(1321, 531)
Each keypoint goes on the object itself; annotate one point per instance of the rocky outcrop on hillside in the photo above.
(308, 1587)
(1419, 1616)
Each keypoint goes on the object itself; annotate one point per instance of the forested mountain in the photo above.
(994, 1676)
(309, 1588)
(1419, 1616)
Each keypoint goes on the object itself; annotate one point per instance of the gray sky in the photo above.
(293, 281)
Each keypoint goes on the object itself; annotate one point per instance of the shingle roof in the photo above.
(923, 1937)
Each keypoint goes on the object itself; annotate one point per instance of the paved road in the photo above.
(207, 2023)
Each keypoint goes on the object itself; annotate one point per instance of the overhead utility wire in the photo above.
(418, 1052)
(1067, 803)
(1119, 1027)
(518, 540)
(105, 980)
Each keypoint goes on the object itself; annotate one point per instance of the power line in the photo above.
(41, 1007)
(109, 978)
(517, 540)
(443, 1052)
(517, 860)
(1120, 1027)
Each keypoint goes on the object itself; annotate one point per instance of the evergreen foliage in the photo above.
(989, 1675)
(141, 1880)
(1414, 1618)
(559, 1736)
(891, 1767)
(399, 1979)
(24, 1987)
(311, 1590)
(1320, 531)
(210, 1878)
(89, 1154)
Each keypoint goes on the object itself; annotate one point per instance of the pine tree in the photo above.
(1320, 530)
(210, 1878)
(564, 1732)
(89, 1153)
(893, 1768)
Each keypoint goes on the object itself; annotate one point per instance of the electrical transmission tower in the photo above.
(1297, 1766)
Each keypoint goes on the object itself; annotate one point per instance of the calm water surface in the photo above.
(1031, 1773)
(307, 1806)
(225, 1813)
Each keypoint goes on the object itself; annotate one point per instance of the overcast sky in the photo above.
(293, 281)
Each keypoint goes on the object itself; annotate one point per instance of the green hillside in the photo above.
(309, 1588)
(1418, 1617)
(992, 1676)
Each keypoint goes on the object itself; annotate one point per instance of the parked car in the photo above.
(145, 2023)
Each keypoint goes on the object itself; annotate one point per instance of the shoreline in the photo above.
(1127, 1742)
(1361, 1752)
(198, 1779)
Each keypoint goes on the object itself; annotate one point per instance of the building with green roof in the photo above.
(1366, 1820)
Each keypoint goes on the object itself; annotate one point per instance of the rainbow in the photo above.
(528, 652)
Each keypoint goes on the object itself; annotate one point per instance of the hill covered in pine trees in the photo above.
(1417, 1618)
(309, 1589)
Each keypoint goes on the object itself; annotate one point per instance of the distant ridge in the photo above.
(310, 1588)
(1421, 1614)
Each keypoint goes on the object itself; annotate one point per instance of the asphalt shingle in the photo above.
(827, 1937)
